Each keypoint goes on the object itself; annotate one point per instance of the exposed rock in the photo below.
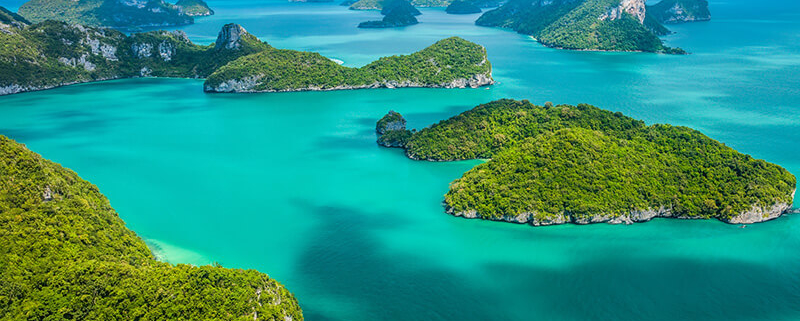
(142, 50)
(229, 37)
(635, 8)
(392, 121)
(679, 11)
(75, 62)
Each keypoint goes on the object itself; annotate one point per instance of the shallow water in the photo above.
(293, 184)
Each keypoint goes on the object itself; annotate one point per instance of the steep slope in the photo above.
(122, 14)
(614, 25)
(580, 164)
(67, 255)
(449, 63)
(397, 13)
(678, 11)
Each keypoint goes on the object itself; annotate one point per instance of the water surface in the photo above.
(293, 184)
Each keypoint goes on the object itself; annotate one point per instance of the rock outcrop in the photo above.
(391, 130)
(230, 37)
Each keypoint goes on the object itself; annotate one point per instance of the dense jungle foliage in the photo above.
(583, 160)
(277, 70)
(106, 13)
(67, 255)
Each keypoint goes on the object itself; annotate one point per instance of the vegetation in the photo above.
(106, 13)
(194, 8)
(10, 18)
(462, 7)
(285, 70)
(582, 25)
(391, 130)
(397, 13)
(67, 255)
(379, 4)
(584, 161)
(677, 11)
(51, 53)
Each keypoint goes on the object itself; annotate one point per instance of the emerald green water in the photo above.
(293, 184)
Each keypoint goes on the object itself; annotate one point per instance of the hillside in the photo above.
(194, 8)
(67, 255)
(449, 63)
(610, 25)
(580, 164)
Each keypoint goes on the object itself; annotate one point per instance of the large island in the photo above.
(580, 164)
(67, 255)
(128, 14)
(605, 25)
(52, 54)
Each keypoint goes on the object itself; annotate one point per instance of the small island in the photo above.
(449, 63)
(194, 8)
(125, 15)
(397, 13)
(462, 7)
(679, 11)
(580, 164)
(598, 25)
(379, 4)
(68, 256)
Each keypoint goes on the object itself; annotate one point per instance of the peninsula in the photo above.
(581, 164)
(67, 255)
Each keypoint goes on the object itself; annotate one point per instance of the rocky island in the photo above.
(580, 164)
(52, 54)
(397, 13)
(678, 11)
(449, 63)
(603, 25)
(120, 14)
(67, 255)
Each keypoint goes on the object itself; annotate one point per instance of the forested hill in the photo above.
(67, 255)
(580, 164)
(108, 13)
(612, 25)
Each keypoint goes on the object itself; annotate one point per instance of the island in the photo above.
(598, 25)
(52, 54)
(67, 255)
(194, 8)
(449, 63)
(397, 13)
(462, 7)
(580, 164)
(379, 4)
(678, 11)
(125, 15)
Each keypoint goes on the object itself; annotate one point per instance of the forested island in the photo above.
(397, 13)
(126, 15)
(462, 7)
(449, 63)
(51, 54)
(379, 4)
(606, 25)
(581, 164)
(67, 255)
(678, 11)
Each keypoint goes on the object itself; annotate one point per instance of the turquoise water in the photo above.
(293, 184)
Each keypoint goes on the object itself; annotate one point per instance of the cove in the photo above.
(293, 184)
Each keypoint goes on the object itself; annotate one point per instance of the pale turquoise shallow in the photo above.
(294, 185)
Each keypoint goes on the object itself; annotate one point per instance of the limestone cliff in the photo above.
(678, 11)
